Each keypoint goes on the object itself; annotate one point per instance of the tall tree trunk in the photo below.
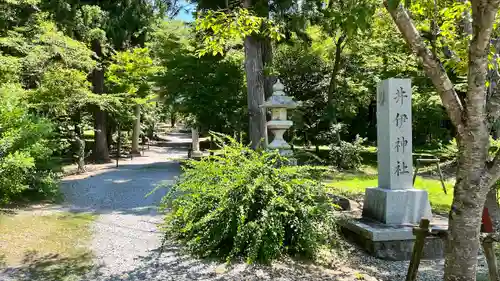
(79, 143)
(255, 92)
(101, 152)
(462, 244)
(173, 119)
(332, 88)
(136, 130)
(254, 69)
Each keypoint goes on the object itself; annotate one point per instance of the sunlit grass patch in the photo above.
(354, 185)
(53, 245)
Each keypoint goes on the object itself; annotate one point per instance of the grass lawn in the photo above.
(46, 246)
(353, 186)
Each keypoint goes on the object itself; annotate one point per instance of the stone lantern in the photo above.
(279, 103)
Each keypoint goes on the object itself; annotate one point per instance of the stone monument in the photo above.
(392, 209)
(279, 103)
(395, 201)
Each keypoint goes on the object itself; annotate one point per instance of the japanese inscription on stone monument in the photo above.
(394, 134)
(401, 168)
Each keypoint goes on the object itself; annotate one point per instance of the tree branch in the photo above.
(483, 16)
(432, 66)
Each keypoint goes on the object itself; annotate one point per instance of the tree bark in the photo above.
(255, 92)
(475, 174)
(468, 201)
(269, 80)
(136, 130)
(101, 152)
(173, 119)
(462, 243)
(267, 59)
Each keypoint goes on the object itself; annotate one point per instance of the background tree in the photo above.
(106, 26)
(131, 75)
(258, 52)
(207, 90)
(343, 22)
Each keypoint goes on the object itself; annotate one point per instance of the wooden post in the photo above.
(212, 145)
(420, 232)
(415, 173)
(491, 259)
(441, 177)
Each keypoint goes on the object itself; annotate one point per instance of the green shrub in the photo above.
(346, 155)
(25, 149)
(244, 203)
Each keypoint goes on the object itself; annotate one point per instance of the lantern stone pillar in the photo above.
(279, 103)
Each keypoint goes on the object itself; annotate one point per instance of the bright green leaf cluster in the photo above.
(219, 27)
(131, 72)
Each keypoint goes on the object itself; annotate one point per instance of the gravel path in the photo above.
(126, 238)
(126, 228)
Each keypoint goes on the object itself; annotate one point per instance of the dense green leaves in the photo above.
(43, 86)
(25, 147)
(131, 72)
(244, 203)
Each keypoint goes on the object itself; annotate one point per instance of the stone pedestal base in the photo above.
(391, 242)
(396, 207)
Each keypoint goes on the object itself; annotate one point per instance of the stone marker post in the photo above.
(395, 201)
(195, 136)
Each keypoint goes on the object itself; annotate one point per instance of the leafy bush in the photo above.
(244, 203)
(25, 149)
(346, 155)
